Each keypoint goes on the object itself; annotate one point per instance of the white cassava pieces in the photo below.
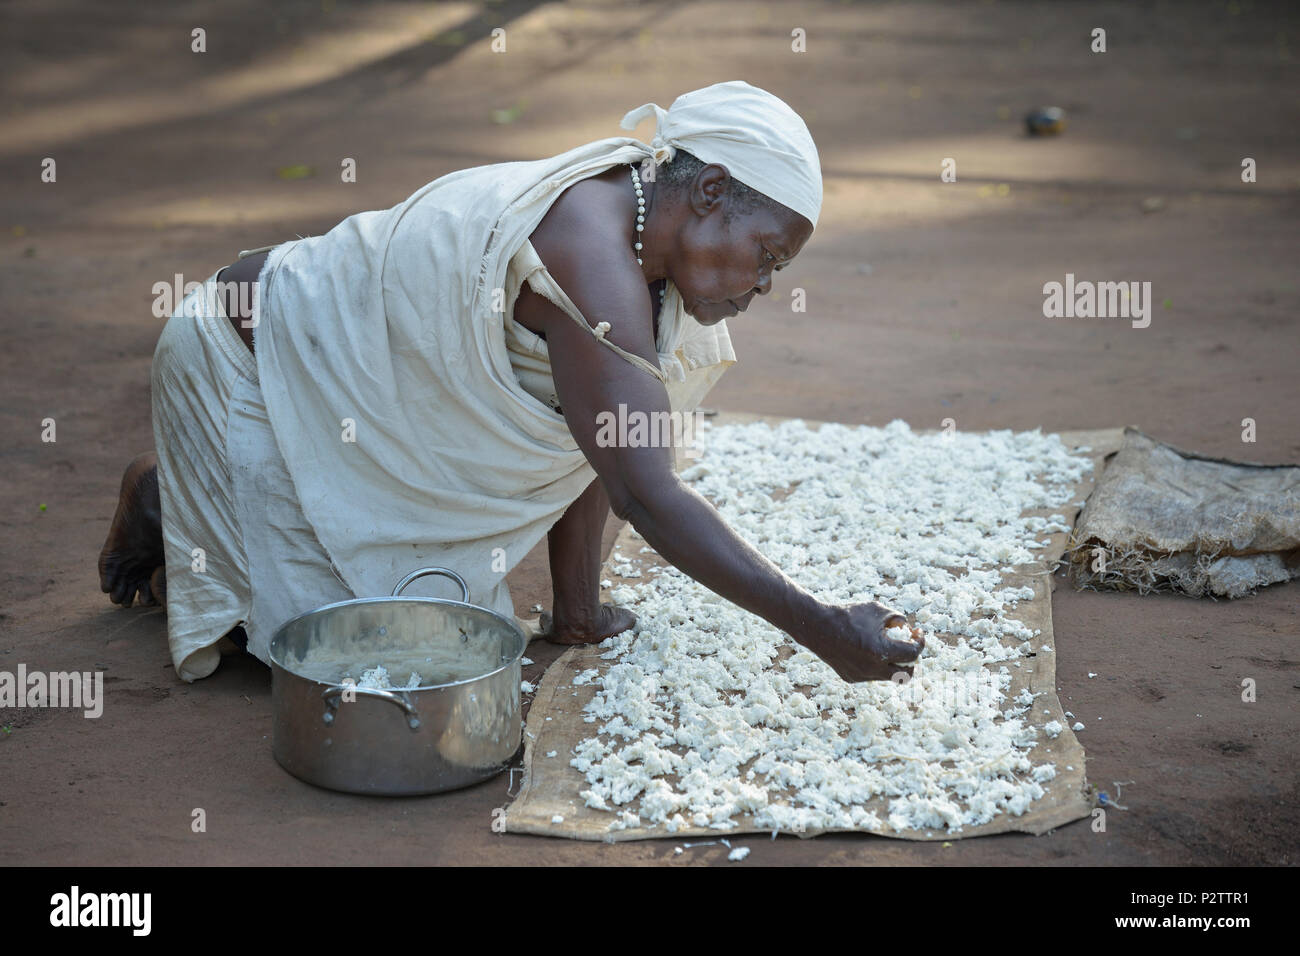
(708, 712)
(376, 678)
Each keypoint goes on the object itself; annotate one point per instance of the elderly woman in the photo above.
(423, 385)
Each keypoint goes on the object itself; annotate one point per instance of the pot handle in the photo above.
(426, 572)
(331, 696)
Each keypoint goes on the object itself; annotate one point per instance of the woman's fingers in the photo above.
(893, 616)
(903, 650)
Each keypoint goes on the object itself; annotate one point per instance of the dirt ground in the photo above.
(925, 302)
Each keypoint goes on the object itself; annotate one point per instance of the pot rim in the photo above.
(277, 662)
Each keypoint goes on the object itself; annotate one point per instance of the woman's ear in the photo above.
(710, 188)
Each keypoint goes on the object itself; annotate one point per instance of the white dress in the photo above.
(384, 423)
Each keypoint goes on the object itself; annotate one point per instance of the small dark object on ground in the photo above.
(1047, 121)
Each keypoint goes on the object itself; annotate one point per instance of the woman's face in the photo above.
(723, 264)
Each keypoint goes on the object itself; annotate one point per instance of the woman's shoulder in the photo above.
(585, 243)
(582, 222)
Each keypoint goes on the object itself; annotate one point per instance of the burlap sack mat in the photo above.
(1164, 519)
(550, 786)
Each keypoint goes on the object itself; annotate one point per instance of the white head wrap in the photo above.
(757, 136)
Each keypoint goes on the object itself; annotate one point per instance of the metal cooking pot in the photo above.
(459, 726)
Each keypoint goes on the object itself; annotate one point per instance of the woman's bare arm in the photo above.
(643, 488)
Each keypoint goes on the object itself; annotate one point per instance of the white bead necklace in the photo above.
(640, 224)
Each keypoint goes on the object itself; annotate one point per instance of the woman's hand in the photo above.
(853, 642)
(608, 620)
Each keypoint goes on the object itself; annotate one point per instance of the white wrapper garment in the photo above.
(383, 425)
(381, 330)
(229, 512)
(387, 325)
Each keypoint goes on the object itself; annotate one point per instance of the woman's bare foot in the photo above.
(611, 620)
(132, 561)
